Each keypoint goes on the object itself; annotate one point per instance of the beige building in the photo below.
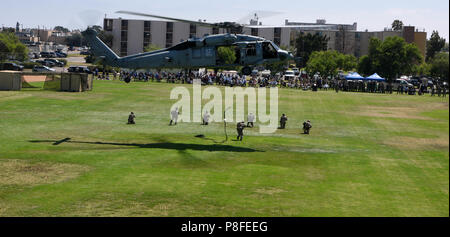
(132, 36)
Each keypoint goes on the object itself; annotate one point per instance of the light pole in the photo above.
(225, 123)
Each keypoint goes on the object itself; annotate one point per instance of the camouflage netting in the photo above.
(10, 81)
(25, 84)
(53, 82)
(72, 82)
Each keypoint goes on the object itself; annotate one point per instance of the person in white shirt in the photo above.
(206, 118)
(174, 114)
(250, 119)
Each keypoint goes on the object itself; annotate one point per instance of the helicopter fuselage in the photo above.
(197, 53)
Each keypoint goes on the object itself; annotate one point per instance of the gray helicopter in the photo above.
(196, 53)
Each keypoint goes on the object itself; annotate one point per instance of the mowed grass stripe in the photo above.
(368, 155)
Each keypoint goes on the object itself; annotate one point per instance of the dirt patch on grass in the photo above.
(20, 172)
(111, 208)
(392, 112)
(269, 191)
(29, 78)
(418, 143)
(406, 111)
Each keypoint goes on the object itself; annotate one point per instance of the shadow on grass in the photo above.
(160, 145)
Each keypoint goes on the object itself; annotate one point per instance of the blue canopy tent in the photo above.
(375, 77)
(354, 76)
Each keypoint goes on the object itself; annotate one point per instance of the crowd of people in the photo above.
(303, 81)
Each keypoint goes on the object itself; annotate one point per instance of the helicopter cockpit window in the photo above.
(250, 50)
(269, 50)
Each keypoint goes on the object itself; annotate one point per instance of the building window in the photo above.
(147, 26)
(192, 31)
(169, 34)
(254, 31)
(147, 34)
(124, 24)
(108, 24)
(124, 36)
(215, 31)
(123, 49)
(277, 36)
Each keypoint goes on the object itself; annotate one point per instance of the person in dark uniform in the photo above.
(240, 130)
(283, 120)
(131, 118)
(306, 127)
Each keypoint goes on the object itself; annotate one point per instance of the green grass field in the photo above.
(367, 155)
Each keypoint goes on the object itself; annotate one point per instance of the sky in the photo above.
(373, 15)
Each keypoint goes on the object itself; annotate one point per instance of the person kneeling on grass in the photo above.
(306, 127)
(240, 130)
(251, 119)
(206, 118)
(131, 118)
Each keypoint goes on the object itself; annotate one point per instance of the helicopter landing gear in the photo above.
(246, 71)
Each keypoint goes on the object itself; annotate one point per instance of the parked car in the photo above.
(11, 67)
(61, 55)
(416, 82)
(85, 52)
(289, 75)
(401, 82)
(296, 71)
(46, 63)
(48, 55)
(79, 69)
(43, 69)
(55, 61)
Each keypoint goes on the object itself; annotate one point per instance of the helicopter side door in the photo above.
(251, 53)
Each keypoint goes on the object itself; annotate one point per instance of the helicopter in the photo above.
(195, 53)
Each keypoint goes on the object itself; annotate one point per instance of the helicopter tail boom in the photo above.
(100, 49)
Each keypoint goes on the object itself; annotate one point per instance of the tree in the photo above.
(390, 58)
(365, 66)
(227, 55)
(328, 62)
(396, 57)
(397, 25)
(439, 66)
(62, 29)
(346, 62)
(423, 69)
(308, 43)
(324, 62)
(75, 40)
(11, 47)
(434, 45)
(151, 48)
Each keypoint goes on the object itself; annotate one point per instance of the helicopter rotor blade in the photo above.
(90, 17)
(168, 18)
